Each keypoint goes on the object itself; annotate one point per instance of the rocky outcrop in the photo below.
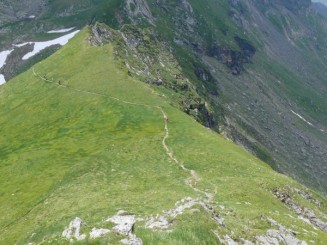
(295, 5)
(234, 59)
(304, 212)
(197, 108)
(279, 237)
(271, 237)
(138, 10)
(14, 61)
(165, 221)
(100, 34)
(189, 19)
(150, 59)
(124, 226)
(74, 230)
(96, 233)
(24, 10)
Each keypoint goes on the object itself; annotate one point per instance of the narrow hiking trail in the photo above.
(194, 178)
(169, 152)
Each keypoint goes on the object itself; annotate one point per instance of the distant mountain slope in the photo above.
(82, 140)
(259, 66)
(320, 8)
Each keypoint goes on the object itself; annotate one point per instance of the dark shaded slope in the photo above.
(320, 8)
(275, 106)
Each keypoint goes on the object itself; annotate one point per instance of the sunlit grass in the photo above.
(65, 153)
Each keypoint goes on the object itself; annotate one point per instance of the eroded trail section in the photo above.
(168, 150)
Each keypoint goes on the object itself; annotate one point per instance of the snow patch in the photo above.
(61, 30)
(302, 118)
(39, 46)
(2, 79)
(3, 57)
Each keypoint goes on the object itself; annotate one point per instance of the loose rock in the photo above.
(73, 231)
(124, 226)
(96, 233)
(124, 223)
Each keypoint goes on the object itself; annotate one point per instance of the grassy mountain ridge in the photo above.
(96, 142)
(70, 150)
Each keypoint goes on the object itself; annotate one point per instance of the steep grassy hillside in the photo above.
(260, 66)
(82, 138)
(251, 70)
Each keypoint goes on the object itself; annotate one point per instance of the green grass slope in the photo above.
(81, 150)
(287, 73)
